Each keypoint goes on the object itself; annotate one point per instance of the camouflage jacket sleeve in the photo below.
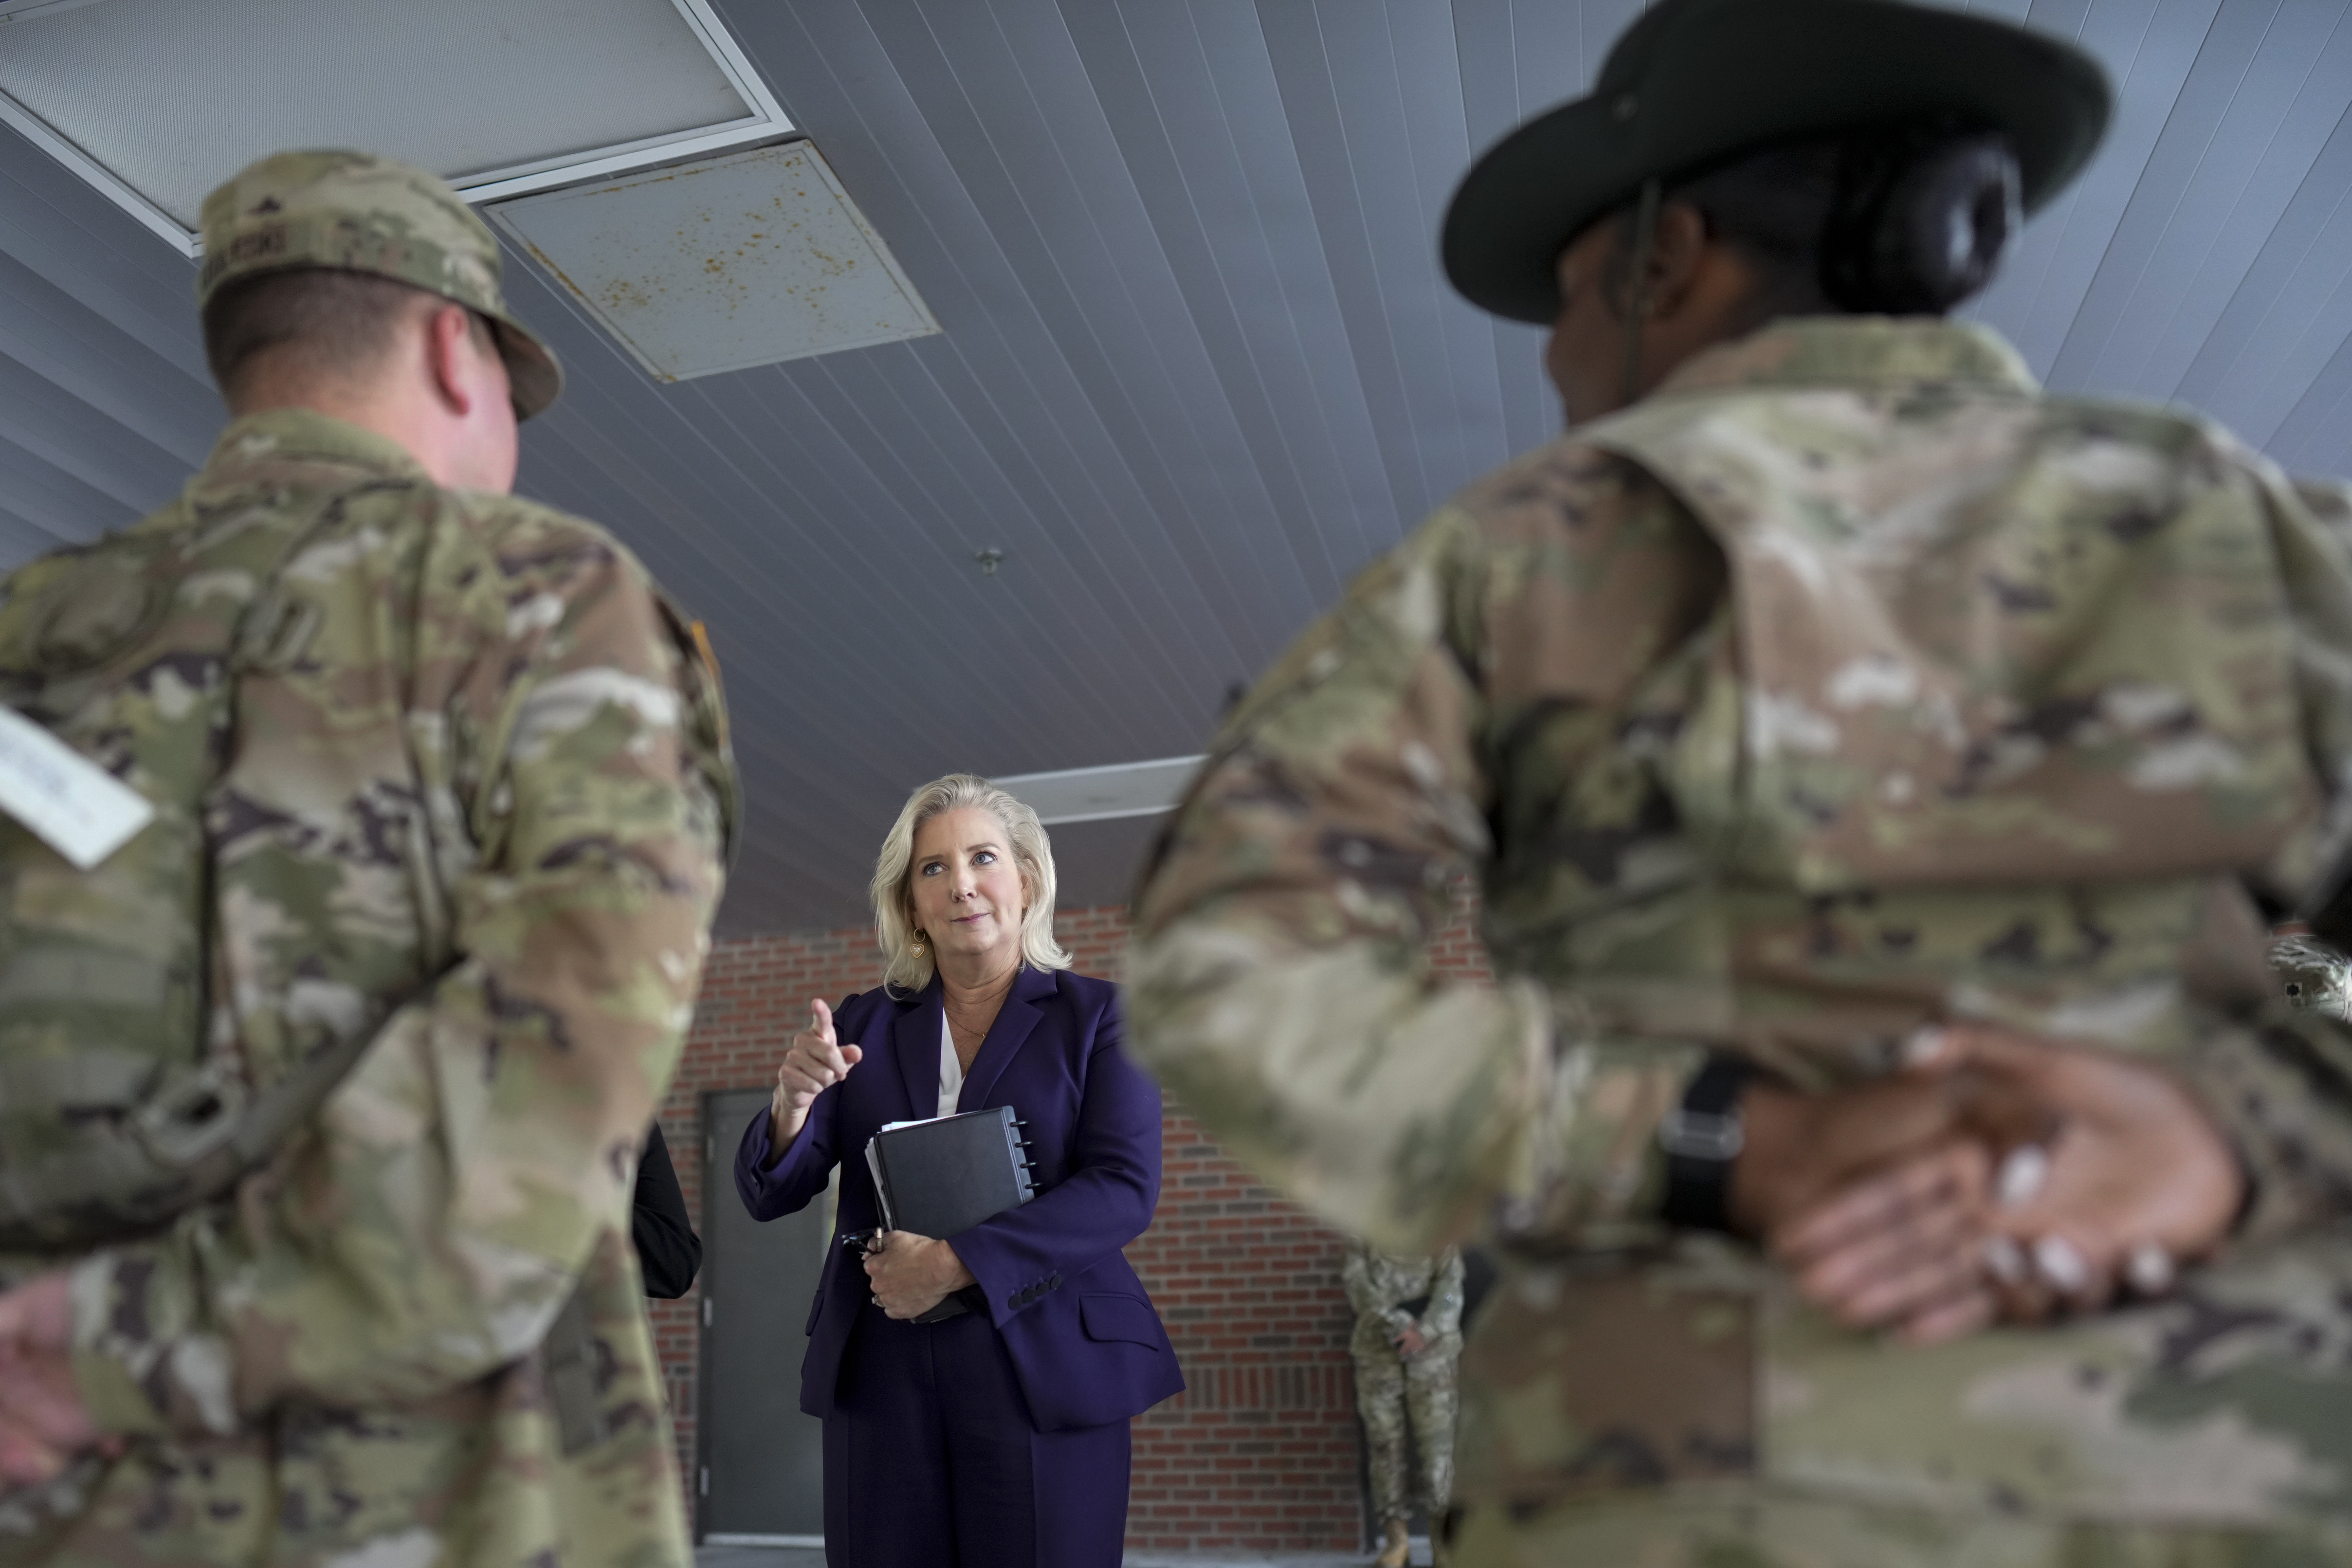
(2280, 1090)
(1442, 1316)
(1356, 1279)
(428, 1224)
(1280, 980)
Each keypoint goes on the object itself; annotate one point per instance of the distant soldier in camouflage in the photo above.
(2315, 977)
(459, 818)
(1881, 775)
(1406, 1347)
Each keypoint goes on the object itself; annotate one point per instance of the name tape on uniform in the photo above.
(69, 803)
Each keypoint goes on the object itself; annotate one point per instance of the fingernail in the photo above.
(2023, 1170)
(2061, 1266)
(2005, 1260)
(1923, 1045)
(2149, 1270)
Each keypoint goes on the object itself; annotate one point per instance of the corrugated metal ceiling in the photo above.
(1199, 363)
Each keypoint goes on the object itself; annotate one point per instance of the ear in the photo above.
(450, 356)
(1677, 250)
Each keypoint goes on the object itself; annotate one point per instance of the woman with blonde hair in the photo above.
(997, 1435)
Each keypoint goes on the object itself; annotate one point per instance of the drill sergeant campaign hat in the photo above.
(1695, 82)
(359, 212)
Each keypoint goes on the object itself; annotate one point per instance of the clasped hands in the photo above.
(911, 1274)
(1997, 1178)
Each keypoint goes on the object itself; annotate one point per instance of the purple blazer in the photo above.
(1082, 1333)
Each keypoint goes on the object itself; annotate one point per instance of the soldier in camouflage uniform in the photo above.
(471, 813)
(1828, 691)
(1406, 1345)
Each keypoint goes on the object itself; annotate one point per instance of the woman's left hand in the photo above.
(912, 1274)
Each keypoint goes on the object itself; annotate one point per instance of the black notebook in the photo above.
(940, 1177)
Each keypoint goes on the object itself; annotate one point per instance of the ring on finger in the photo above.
(2061, 1265)
(2024, 1170)
(2149, 1268)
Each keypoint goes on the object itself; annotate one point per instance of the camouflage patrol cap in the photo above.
(360, 213)
(1695, 82)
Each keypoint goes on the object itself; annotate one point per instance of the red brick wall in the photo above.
(1260, 1451)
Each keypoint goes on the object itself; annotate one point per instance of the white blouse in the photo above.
(950, 1069)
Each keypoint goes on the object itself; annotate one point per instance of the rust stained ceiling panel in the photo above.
(748, 259)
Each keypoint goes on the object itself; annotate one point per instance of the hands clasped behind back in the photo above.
(812, 1063)
(2002, 1177)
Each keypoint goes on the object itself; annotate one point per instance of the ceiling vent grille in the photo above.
(156, 101)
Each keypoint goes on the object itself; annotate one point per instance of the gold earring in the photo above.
(918, 942)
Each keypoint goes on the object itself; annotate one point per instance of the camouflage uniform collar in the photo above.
(304, 435)
(1857, 351)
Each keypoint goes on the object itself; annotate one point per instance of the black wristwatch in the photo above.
(1701, 1137)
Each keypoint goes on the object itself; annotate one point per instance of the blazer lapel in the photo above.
(915, 1041)
(1014, 1021)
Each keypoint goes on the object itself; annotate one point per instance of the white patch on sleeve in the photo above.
(1876, 679)
(570, 701)
(415, 1547)
(1777, 724)
(534, 614)
(72, 805)
(2185, 763)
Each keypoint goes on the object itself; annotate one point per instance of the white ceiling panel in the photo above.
(1106, 793)
(720, 264)
(159, 100)
(1197, 363)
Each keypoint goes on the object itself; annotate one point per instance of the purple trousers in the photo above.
(930, 1459)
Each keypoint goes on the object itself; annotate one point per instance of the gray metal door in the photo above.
(762, 1461)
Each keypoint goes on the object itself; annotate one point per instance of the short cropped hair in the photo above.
(907, 967)
(317, 321)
